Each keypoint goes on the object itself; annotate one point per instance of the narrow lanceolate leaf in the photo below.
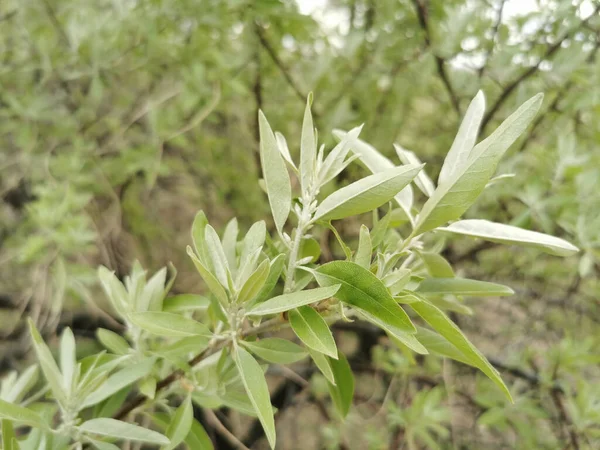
(122, 430)
(323, 364)
(376, 162)
(336, 160)
(363, 290)
(312, 329)
(448, 329)
(217, 255)
(186, 302)
(308, 148)
(230, 242)
(48, 365)
(256, 387)
(22, 385)
(407, 339)
(284, 149)
(254, 283)
(453, 197)
(112, 341)
(114, 289)
(439, 345)
(365, 248)
(198, 237)
(213, 284)
(286, 302)
(277, 180)
(342, 391)
(436, 265)
(507, 234)
(463, 286)
(180, 424)
(465, 138)
(169, 324)
(276, 350)
(118, 381)
(367, 194)
(8, 434)
(422, 181)
(21, 415)
(197, 438)
(275, 269)
(67, 358)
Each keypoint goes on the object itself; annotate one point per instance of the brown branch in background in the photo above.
(565, 420)
(551, 50)
(280, 64)
(422, 14)
(560, 95)
(495, 30)
(214, 421)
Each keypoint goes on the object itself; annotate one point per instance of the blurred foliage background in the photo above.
(120, 119)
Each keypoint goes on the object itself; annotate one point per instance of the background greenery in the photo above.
(120, 119)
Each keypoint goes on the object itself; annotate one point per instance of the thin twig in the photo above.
(213, 420)
(495, 30)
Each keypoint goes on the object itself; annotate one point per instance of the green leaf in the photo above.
(112, 341)
(184, 346)
(230, 242)
(422, 181)
(365, 248)
(8, 434)
(114, 290)
(342, 391)
(277, 179)
(363, 290)
(213, 284)
(285, 302)
(198, 237)
(185, 302)
(122, 430)
(366, 194)
(22, 385)
(180, 424)
(448, 329)
(436, 265)
(153, 292)
(408, 339)
(336, 159)
(312, 329)
(256, 387)
(463, 286)
(48, 365)
(276, 350)
(376, 162)
(439, 345)
(197, 438)
(285, 150)
(275, 269)
(308, 149)
(217, 255)
(253, 242)
(100, 445)
(68, 360)
(453, 197)
(21, 415)
(118, 381)
(168, 324)
(323, 364)
(507, 234)
(465, 139)
(254, 283)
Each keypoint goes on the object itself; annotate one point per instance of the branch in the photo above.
(280, 64)
(532, 70)
(495, 30)
(422, 14)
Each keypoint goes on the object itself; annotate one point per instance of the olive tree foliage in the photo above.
(118, 120)
(208, 350)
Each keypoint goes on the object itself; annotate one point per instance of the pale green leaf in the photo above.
(254, 283)
(465, 139)
(422, 180)
(67, 358)
(366, 194)
(463, 286)
(276, 177)
(180, 424)
(114, 290)
(217, 255)
(365, 248)
(322, 363)
(275, 269)
(153, 292)
(507, 234)
(282, 145)
(213, 284)
(285, 302)
(112, 341)
(276, 350)
(308, 149)
(342, 391)
(198, 237)
(186, 302)
(363, 290)
(312, 329)
(448, 329)
(436, 265)
(21, 386)
(229, 244)
(256, 387)
(122, 430)
(439, 345)
(168, 324)
(21, 415)
(453, 197)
